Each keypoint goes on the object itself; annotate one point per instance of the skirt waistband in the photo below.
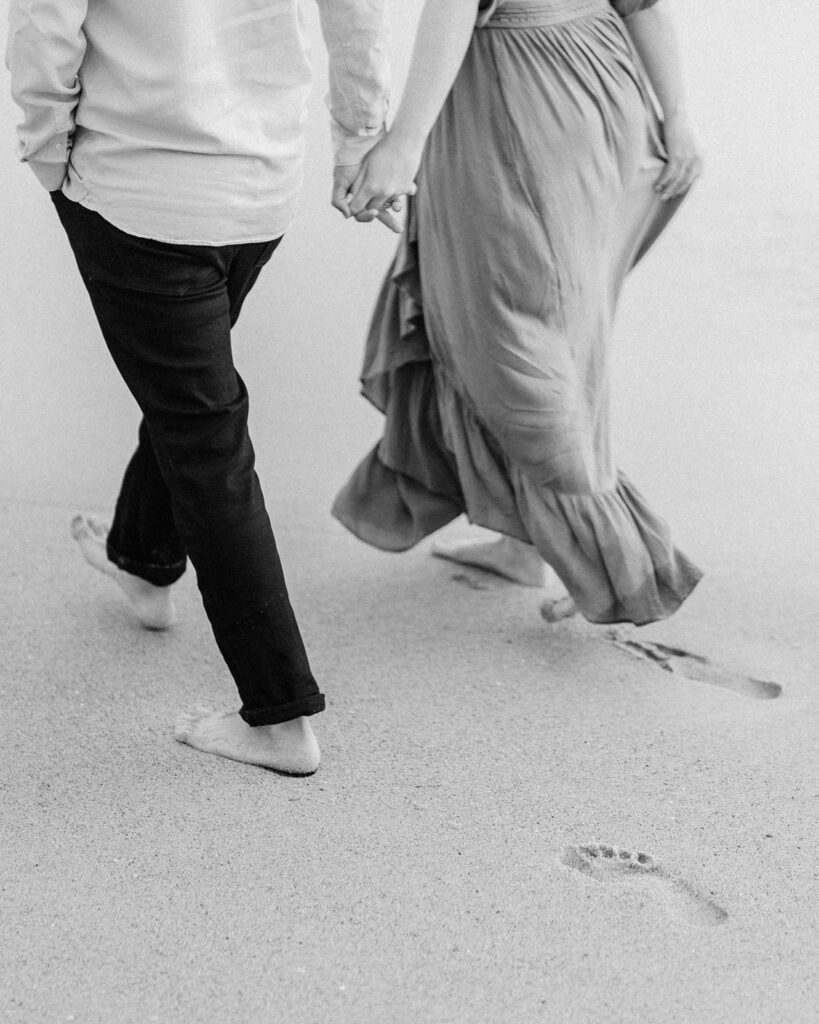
(542, 12)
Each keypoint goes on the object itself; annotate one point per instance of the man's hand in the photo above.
(343, 178)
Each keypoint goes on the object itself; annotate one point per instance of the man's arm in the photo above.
(46, 46)
(355, 33)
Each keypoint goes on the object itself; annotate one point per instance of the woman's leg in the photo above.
(504, 556)
(515, 561)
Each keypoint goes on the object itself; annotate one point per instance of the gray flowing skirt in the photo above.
(489, 348)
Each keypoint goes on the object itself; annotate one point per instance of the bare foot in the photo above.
(289, 748)
(505, 557)
(557, 604)
(153, 606)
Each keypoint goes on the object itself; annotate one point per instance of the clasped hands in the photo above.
(374, 189)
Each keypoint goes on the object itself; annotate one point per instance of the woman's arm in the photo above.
(655, 40)
(389, 170)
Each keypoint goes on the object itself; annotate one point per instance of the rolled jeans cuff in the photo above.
(312, 705)
(158, 575)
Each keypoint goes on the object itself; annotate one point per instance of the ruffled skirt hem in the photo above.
(437, 460)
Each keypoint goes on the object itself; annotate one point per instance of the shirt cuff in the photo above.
(51, 176)
(349, 149)
(49, 163)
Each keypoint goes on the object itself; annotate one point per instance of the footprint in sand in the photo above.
(470, 581)
(611, 864)
(694, 666)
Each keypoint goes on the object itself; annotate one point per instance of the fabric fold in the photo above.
(488, 350)
(436, 461)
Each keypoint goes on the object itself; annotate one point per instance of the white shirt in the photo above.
(182, 120)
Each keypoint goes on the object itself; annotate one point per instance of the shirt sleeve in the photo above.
(355, 32)
(627, 7)
(45, 49)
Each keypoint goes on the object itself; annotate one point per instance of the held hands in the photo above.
(373, 189)
(684, 158)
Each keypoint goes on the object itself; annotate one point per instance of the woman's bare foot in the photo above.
(557, 603)
(153, 606)
(505, 557)
(289, 748)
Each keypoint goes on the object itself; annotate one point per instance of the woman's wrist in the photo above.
(409, 142)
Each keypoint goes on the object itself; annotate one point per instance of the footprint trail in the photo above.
(611, 864)
(696, 667)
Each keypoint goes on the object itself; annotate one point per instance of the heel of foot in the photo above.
(156, 620)
(289, 749)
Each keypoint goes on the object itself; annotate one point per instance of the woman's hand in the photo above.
(387, 173)
(684, 158)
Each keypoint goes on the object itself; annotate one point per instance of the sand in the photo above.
(513, 821)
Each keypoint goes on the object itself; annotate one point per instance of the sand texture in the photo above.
(513, 821)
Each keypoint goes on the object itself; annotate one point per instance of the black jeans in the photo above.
(191, 490)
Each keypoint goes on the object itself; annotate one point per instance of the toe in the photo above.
(441, 548)
(78, 527)
(183, 727)
(555, 610)
(99, 528)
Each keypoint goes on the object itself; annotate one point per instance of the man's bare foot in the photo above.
(152, 605)
(289, 748)
(505, 557)
(557, 603)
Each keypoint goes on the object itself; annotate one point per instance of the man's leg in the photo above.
(143, 539)
(142, 551)
(165, 312)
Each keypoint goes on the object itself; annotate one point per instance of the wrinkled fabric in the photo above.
(490, 344)
(183, 121)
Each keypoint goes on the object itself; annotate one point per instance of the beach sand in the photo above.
(513, 821)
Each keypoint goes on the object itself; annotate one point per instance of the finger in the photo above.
(691, 174)
(356, 193)
(358, 207)
(343, 177)
(366, 216)
(391, 220)
(371, 201)
(368, 199)
(380, 200)
(679, 182)
(668, 173)
(673, 181)
(339, 201)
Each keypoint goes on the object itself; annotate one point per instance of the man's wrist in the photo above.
(350, 149)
